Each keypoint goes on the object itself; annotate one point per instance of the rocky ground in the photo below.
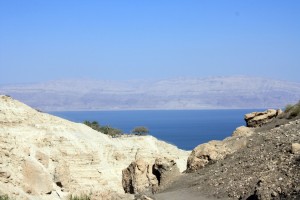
(266, 167)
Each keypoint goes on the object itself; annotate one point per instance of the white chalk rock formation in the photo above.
(46, 157)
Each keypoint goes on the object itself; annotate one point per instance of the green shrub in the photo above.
(288, 108)
(94, 125)
(140, 130)
(81, 197)
(110, 131)
(292, 111)
(295, 112)
(4, 197)
(104, 129)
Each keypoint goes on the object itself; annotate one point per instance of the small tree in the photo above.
(140, 130)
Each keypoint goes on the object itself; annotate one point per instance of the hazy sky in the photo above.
(127, 39)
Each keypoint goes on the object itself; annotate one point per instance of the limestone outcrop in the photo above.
(166, 171)
(256, 119)
(46, 157)
(141, 177)
(242, 131)
(213, 151)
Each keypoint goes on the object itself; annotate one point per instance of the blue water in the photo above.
(184, 128)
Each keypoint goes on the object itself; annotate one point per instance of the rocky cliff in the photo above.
(46, 157)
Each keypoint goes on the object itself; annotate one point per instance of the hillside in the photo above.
(46, 157)
(178, 93)
(259, 163)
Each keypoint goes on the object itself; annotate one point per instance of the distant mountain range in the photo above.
(178, 93)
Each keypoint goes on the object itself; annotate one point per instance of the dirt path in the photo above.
(185, 194)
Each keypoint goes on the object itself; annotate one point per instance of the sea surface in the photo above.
(184, 128)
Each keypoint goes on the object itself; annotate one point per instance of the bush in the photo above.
(288, 108)
(110, 131)
(295, 112)
(94, 125)
(104, 129)
(81, 197)
(4, 197)
(140, 130)
(292, 111)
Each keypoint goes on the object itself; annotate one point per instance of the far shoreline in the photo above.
(154, 109)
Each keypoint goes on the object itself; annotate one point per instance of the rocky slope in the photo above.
(178, 93)
(255, 163)
(46, 157)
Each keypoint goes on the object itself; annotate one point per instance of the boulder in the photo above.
(296, 148)
(242, 131)
(204, 153)
(256, 119)
(213, 151)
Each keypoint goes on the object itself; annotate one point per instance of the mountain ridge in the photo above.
(222, 92)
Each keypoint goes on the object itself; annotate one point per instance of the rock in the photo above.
(144, 197)
(213, 151)
(135, 178)
(165, 171)
(205, 153)
(256, 119)
(296, 148)
(36, 180)
(242, 131)
(143, 178)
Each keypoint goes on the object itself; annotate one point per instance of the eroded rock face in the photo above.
(46, 157)
(141, 177)
(138, 177)
(165, 171)
(256, 119)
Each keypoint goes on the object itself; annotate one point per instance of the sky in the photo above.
(149, 39)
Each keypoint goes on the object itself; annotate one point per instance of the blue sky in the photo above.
(126, 39)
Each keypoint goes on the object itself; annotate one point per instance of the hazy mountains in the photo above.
(178, 93)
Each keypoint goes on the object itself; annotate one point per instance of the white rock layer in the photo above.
(46, 157)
